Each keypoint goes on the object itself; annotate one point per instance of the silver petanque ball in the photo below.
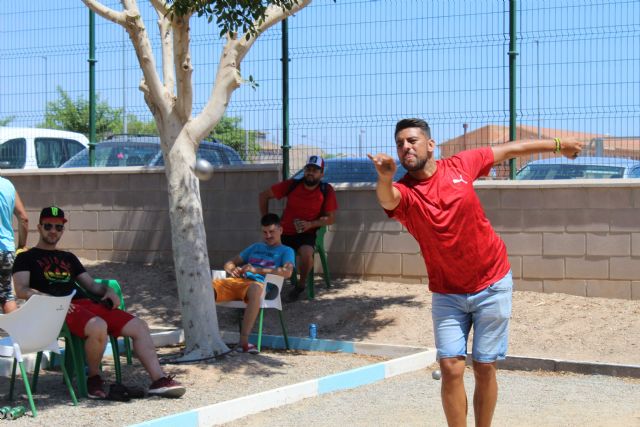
(436, 374)
(203, 170)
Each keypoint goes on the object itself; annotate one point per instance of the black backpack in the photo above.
(323, 189)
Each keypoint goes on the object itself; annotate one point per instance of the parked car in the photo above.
(351, 169)
(144, 150)
(34, 148)
(581, 167)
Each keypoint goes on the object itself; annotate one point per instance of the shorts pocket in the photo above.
(503, 285)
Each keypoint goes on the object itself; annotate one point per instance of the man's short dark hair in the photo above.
(270, 219)
(413, 123)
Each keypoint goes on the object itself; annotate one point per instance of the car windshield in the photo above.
(109, 154)
(131, 153)
(569, 171)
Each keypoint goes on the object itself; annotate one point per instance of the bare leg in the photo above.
(143, 346)
(96, 339)
(486, 392)
(250, 312)
(9, 306)
(454, 397)
(305, 264)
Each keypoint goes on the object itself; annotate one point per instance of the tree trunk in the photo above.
(190, 255)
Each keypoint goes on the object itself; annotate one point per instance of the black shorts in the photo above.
(294, 241)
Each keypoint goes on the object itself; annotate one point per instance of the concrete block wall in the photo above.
(577, 237)
(122, 214)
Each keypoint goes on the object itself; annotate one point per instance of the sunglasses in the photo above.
(48, 227)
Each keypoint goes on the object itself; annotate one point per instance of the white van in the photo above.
(33, 148)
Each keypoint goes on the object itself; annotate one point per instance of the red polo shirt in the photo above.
(462, 252)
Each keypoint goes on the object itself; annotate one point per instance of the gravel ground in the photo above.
(543, 325)
(207, 383)
(413, 399)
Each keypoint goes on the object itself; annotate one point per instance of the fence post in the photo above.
(285, 99)
(512, 82)
(92, 88)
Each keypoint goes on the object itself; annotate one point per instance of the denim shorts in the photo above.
(488, 311)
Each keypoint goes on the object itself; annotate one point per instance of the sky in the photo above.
(356, 67)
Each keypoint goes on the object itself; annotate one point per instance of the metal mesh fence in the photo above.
(356, 67)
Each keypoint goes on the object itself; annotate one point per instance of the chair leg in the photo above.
(52, 360)
(13, 378)
(36, 371)
(311, 293)
(77, 365)
(115, 352)
(25, 379)
(260, 329)
(67, 381)
(325, 267)
(284, 330)
(127, 349)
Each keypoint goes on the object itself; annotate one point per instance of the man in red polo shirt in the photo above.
(311, 204)
(469, 273)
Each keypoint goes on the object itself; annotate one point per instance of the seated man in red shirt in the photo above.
(311, 204)
(47, 270)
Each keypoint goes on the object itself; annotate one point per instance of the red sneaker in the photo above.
(166, 387)
(95, 387)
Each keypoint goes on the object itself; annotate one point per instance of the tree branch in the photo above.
(183, 66)
(228, 77)
(166, 40)
(105, 12)
(160, 6)
(157, 98)
(273, 15)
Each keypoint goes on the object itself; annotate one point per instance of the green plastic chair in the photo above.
(319, 249)
(75, 346)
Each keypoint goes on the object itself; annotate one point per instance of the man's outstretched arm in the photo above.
(569, 148)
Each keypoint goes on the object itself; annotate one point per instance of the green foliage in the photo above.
(231, 16)
(7, 120)
(136, 126)
(67, 114)
(229, 132)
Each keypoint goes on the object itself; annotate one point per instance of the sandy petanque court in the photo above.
(544, 325)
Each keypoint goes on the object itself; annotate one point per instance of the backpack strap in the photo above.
(324, 187)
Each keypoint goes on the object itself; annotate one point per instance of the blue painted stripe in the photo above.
(184, 419)
(350, 379)
(276, 341)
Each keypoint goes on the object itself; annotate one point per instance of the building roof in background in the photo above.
(498, 134)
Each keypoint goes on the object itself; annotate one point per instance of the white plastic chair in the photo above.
(270, 299)
(33, 328)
